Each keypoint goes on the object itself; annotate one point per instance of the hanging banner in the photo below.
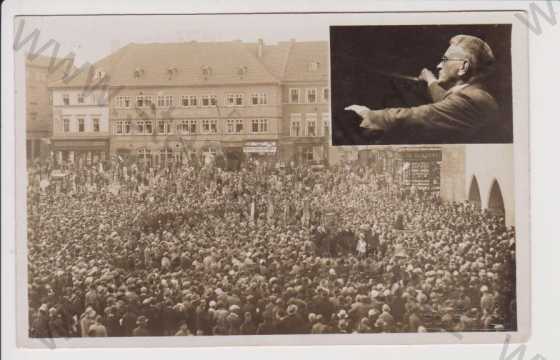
(260, 147)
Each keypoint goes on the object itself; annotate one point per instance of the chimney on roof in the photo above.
(260, 48)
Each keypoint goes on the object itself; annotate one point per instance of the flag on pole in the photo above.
(270, 210)
(252, 214)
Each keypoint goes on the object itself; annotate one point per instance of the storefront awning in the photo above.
(71, 145)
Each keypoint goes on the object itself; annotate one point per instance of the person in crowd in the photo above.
(201, 251)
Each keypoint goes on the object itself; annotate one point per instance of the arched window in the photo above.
(496, 200)
(474, 192)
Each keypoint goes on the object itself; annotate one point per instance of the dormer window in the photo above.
(242, 70)
(206, 70)
(99, 74)
(171, 71)
(313, 66)
(138, 72)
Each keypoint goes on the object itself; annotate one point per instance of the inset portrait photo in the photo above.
(421, 84)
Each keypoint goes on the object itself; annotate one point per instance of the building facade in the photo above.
(234, 99)
(39, 104)
(80, 131)
(306, 113)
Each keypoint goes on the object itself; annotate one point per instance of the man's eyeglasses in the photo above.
(446, 59)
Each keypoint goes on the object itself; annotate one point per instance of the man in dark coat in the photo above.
(462, 107)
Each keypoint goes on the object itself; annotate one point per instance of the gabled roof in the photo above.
(182, 64)
(302, 54)
(108, 64)
(274, 57)
(223, 59)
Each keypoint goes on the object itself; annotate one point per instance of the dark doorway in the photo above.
(495, 200)
(474, 192)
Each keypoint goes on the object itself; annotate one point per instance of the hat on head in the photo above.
(292, 309)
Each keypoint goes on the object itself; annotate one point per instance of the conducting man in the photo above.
(461, 108)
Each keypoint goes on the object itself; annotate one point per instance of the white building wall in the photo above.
(93, 107)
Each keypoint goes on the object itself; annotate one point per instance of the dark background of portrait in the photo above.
(356, 52)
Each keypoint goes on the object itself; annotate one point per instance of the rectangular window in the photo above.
(234, 126)
(263, 125)
(205, 126)
(140, 126)
(66, 99)
(311, 124)
(326, 123)
(294, 96)
(259, 99)
(234, 100)
(164, 126)
(148, 128)
(205, 100)
(214, 126)
(230, 126)
(148, 100)
(308, 154)
(213, 100)
(66, 125)
(127, 127)
(193, 100)
(160, 101)
(311, 96)
(118, 128)
(239, 125)
(80, 98)
(192, 129)
(183, 127)
(144, 100)
(325, 96)
(81, 125)
(255, 125)
(165, 100)
(123, 101)
(295, 125)
(184, 100)
(96, 125)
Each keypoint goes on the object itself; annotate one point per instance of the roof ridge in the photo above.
(259, 60)
(285, 65)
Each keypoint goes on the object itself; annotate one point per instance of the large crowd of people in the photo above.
(126, 250)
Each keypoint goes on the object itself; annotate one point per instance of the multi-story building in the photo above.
(39, 103)
(210, 97)
(230, 97)
(80, 123)
(305, 90)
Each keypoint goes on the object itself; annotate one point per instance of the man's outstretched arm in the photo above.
(457, 112)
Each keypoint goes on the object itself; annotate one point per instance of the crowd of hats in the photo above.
(208, 252)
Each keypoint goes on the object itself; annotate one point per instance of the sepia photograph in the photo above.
(435, 84)
(213, 182)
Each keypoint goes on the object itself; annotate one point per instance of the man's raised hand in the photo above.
(361, 110)
(427, 76)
